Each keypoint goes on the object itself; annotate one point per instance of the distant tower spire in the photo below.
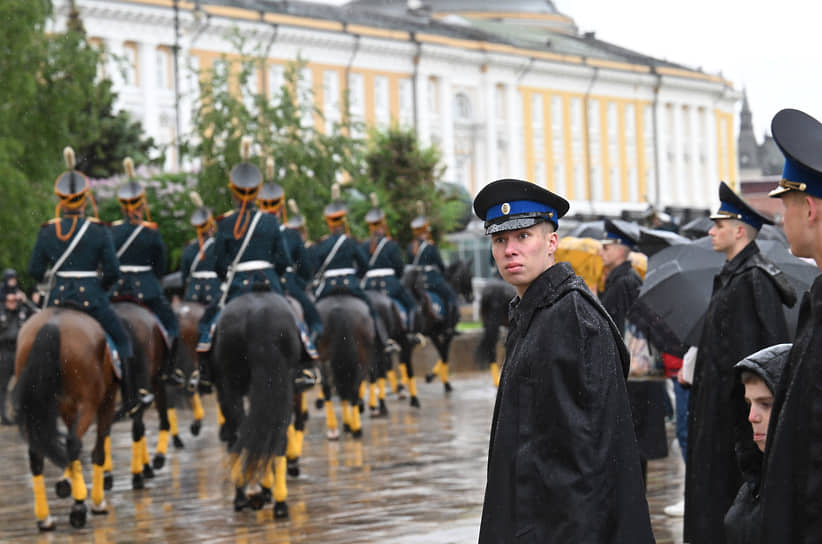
(747, 147)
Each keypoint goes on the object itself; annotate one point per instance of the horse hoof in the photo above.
(280, 510)
(430, 377)
(159, 461)
(333, 434)
(346, 428)
(108, 481)
(305, 415)
(178, 443)
(447, 386)
(319, 403)
(356, 434)
(46, 525)
(361, 406)
(383, 411)
(293, 468)
(415, 402)
(241, 501)
(196, 426)
(148, 472)
(137, 481)
(256, 501)
(63, 488)
(77, 517)
(99, 509)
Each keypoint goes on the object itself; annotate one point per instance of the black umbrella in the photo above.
(678, 284)
(589, 229)
(652, 241)
(700, 226)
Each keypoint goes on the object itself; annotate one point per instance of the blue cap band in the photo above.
(752, 220)
(517, 207)
(797, 173)
(621, 239)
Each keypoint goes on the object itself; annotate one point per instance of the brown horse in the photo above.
(188, 315)
(64, 369)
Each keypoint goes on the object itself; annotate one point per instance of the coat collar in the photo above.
(619, 271)
(543, 290)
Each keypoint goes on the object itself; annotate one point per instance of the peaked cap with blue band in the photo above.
(733, 207)
(513, 204)
(799, 137)
(621, 232)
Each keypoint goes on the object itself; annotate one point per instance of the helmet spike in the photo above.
(375, 201)
(128, 167)
(335, 192)
(269, 168)
(196, 198)
(245, 148)
(420, 207)
(68, 154)
(292, 205)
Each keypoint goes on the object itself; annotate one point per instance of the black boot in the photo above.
(171, 374)
(143, 395)
(128, 402)
(206, 383)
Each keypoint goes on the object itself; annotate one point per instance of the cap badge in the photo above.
(505, 208)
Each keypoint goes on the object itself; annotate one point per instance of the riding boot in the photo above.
(141, 384)
(171, 374)
(206, 382)
(128, 403)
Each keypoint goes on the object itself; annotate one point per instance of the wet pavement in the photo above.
(416, 476)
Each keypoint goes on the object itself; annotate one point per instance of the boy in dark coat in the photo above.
(563, 464)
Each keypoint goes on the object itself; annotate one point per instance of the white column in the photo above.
(447, 128)
(663, 197)
(490, 112)
(677, 193)
(513, 111)
(710, 198)
(423, 114)
(693, 175)
(147, 80)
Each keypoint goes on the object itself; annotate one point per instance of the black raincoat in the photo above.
(563, 464)
(745, 315)
(792, 474)
(647, 397)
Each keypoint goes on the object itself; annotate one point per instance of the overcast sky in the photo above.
(765, 46)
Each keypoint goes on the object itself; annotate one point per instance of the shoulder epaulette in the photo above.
(226, 214)
(117, 222)
(95, 220)
(51, 221)
(150, 225)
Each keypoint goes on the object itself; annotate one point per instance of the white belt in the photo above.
(78, 274)
(247, 266)
(133, 269)
(426, 268)
(204, 275)
(379, 272)
(339, 272)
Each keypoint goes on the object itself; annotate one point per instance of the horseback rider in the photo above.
(142, 255)
(296, 221)
(197, 262)
(385, 265)
(75, 246)
(271, 198)
(341, 261)
(425, 257)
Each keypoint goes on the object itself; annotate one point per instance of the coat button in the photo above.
(82, 289)
(140, 296)
(197, 287)
(85, 303)
(62, 287)
(208, 298)
(56, 302)
(137, 283)
(245, 282)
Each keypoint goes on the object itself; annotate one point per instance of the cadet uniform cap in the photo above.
(374, 215)
(513, 204)
(734, 207)
(245, 176)
(799, 137)
(271, 193)
(200, 217)
(70, 184)
(620, 232)
(130, 191)
(767, 363)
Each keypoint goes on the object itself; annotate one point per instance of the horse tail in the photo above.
(35, 396)
(344, 355)
(262, 433)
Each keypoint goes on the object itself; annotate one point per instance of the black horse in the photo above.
(346, 350)
(459, 275)
(255, 356)
(395, 329)
(494, 300)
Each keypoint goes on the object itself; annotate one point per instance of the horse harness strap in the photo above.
(51, 274)
(129, 240)
(377, 251)
(234, 264)
(419, 253)
(195, 262)
(320, 283)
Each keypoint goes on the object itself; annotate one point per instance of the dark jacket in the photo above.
(792, 475)
(148, 251)
(349, 256)
(563, 464)
(201, 282)
(745, 314)
(620, 292)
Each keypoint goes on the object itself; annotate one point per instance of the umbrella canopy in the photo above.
(652, 241)
(677, 288)
(583, 256)
(589, 229)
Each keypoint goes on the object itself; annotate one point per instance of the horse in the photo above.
(395, 329)
(151, 351)
(256, 350)
(494, 300)
(64, 369)
(188, 316)
(347, 351)
(431, 323)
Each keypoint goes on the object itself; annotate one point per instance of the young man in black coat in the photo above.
(563, 464)
(745, 315)
(792, 473)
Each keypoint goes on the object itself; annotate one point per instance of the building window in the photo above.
(331, 99)
(433, 96)
(558, 144)
(356, 103)
(648, 148)
(462, 107)
(630, 152)
(577, 149)
(276, 80)
(613, 152)
(406, 113)
(499, 103)
(305, 96)
(130, 65)
(250, 89)
(538, 140)
(595, 150)
(382, 102)
(164, 67)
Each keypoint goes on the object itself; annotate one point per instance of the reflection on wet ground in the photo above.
(416, 477)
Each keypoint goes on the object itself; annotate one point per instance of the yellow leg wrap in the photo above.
(437, 368)
(381, 387)
(107, 465)
(403, 374)
(392, 380)
(162, 442)
(494, 367)
(444, 372)
(412, 387)
(67, 472)
(280, 489)
(291, 443)
(97, 484)
(41, 504)
(268, 477)
(197, 411)
(172, 421)
(346, 413)
(320, 394)
(330, 417)
(356, 424)
(220, 416)
(372, 395)
(362, 389)
(78, 484)
(298, 441)
(144, 449)
(136, 458)
(237, 472)
(303, 403)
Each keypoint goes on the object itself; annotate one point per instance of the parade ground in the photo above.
(416, 476)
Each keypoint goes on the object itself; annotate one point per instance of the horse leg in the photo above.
(280, 488)
(443, 343)
(138, 429)
(197, 414)
(382, 411)
(241, 500)
(41, 506)
(354, 425)
(333, 432)
(174, 429)
(346, 416)
(79, 491)
(295, 435)
(159, 460)
(412, 382)
(105, 415)
(108, 479)
(435, 371)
